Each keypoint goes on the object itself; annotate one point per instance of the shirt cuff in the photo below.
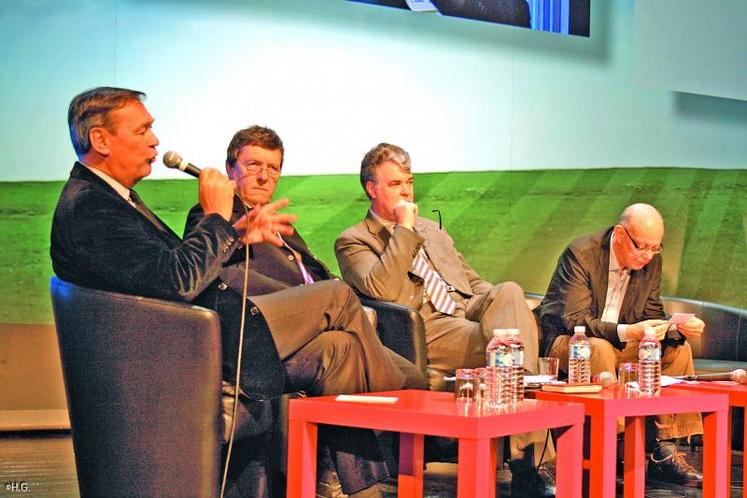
(622, 332)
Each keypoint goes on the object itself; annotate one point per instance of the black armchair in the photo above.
(400, 329)
(143, 383)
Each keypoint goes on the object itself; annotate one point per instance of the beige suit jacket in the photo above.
(378, 263)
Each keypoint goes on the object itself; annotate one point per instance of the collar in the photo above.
(118, 187)
(389, 225)
(614, 264)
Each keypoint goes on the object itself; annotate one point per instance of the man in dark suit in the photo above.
(104, 237)
(254, 160)
(383, 257)
(610, 282)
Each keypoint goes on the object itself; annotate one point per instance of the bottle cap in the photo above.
(579, 329)
(514, 332)
(498, 332)
(649, 331)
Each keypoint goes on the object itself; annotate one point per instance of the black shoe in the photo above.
(536, 482)
(675, 469)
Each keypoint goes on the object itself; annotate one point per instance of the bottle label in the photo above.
(506, 360)
(580, 351)
(652, 354)
(518, 359)
(492, 359)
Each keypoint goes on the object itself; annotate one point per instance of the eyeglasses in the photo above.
(254, 167)
(653, 250)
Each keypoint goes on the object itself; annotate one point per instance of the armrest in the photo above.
(143, 380)
(401, 329)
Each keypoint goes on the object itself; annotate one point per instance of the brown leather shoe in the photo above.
(675, 469)
(329, 486)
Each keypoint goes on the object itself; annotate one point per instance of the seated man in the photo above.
(254, 161)
(609, 282)
(392, 253)
(105, 237)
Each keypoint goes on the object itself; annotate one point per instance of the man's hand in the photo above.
(405, 213)
(216, 193)
(635, 330)
(263, 223)
(692, 328)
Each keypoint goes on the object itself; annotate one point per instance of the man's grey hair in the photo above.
(91, 109)
(377, 156)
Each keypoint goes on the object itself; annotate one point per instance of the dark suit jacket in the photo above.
(578, 290)
(100, 241)
(271, 268)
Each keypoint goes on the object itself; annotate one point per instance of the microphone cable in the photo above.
(239, 355)
(173, 160)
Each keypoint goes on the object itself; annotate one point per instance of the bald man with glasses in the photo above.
(610, 283)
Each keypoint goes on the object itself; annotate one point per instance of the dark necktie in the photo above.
(140, 206)
(307, 278)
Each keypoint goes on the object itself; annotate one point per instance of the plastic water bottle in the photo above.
(493, 353)
(579, 357)
(649, 363)
(517, 370)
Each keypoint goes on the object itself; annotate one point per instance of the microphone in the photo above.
(605, 378)
(739, 376)
(174, 161)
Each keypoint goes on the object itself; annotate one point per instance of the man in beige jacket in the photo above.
(394, 255)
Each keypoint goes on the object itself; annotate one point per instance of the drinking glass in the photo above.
(548, 366)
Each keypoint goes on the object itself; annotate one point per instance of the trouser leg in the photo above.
(504, 306)
(332, 363)
(298, 314)
(678, 361)
(532, 447)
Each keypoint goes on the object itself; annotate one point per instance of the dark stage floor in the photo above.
(42, 464)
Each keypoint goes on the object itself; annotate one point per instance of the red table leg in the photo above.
(635, 457)
(411, 462)
(302, 438)
(728, 453)
(569, 449)
(475, 473)
(603, 457)
(744, 450)
(714, 455)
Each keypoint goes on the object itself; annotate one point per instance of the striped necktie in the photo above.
(435, 287)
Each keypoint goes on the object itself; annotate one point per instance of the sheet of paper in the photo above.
(421, 6)
(666, 380)
(538, 379)
(367, 399)
(680, 318)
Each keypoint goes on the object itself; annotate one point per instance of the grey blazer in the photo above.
(378, 263)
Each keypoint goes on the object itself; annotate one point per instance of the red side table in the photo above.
(604, 407)
(737, 397)
(417, 413)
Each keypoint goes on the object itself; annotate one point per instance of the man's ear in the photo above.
(370, 189)
(229, 170)
(99, 139)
